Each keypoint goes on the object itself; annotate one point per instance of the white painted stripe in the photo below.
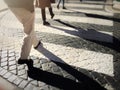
(85, 59)
(82, 20)
(85, 20)
(82, 5)
(55, 30)
(95, 61)
(97, 12)
(71, 10)
(67, 31)
(94, 2)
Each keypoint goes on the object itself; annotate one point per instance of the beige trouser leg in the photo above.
(27, 19)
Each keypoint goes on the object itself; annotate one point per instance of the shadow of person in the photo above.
(84, 82)
(92, 35)
(55, 80)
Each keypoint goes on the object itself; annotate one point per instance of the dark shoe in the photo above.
(46, 23)
(57, 6)
(28, 62)
(64, 7)
(52, 16)
(25, 61)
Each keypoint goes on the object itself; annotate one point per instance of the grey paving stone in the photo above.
(4, 55)
(95, 75)
(109, 87)
(1, 69)
(12, 62)
(11, 51)
(56, 70)
(4, 51)
(36, 61)
(41, 83)
(70, 77)
(102, 80)
(38, 65)
(12, 67)
(11, 58)
(24, 76)
(4, 59)
(17, 81)
(110, 80)
(36, 88)
(46, 87)
(7, 75)
(30, 79)
(42, 60)
(4, 64)
(34, 82)
(5, 67)
(14, 71)
(2, 72)
(12, 78)
(88, 73)
(29, 87)
(21, 72)
(64, 73)
(23, 84)
(11, 45)
(46, 66)
(21, 67)
(116, 70)
(52, 64)
(11, 54)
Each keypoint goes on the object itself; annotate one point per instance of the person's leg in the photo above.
(51, 12)
(27, 19)
(58, 4)
(44, 17)
(63, 4)
(43, 14)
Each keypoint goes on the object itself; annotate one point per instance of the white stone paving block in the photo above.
(92, 12)
(29, 87)
(95, 61)
(54, 29)
(67, 31)
(89, 6)
(89, 20)
(89, 60)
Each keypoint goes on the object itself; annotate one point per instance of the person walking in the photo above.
(24, 11)
(43, 4)
(63, 4)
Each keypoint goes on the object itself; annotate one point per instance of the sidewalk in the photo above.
(3, 6)
(80, 36)
(4, 84)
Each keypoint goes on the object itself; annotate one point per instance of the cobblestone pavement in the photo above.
(84, 36)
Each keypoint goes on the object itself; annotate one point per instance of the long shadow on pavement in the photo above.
(113, 45)
(62, 82)
(84, 82)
